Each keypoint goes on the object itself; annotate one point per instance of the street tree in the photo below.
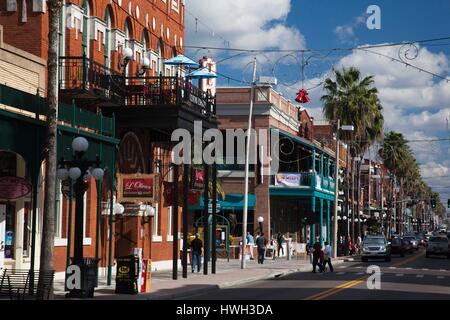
(48, 227)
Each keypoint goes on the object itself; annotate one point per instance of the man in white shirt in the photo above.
(327, 256)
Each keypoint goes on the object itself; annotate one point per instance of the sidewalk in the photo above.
(228, 274)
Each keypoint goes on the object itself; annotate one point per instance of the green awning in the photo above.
(231, 201)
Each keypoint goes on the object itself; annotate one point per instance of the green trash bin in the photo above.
(127, 274)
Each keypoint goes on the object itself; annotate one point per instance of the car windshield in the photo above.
(438, 239)
(371, 241)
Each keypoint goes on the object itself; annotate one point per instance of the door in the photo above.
(2, 234)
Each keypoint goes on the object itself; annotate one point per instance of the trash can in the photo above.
(127, 275)
(88, 278)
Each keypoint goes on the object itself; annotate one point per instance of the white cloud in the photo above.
(241, 24)
(346, 33)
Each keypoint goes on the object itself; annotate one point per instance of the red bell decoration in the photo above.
(302, 96)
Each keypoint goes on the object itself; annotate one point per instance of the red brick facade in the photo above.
(154, 26)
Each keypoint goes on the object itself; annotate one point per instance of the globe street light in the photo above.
(80, 169)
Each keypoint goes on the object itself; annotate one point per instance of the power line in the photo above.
(324, 49)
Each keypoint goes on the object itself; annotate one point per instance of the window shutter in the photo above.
(11, 5)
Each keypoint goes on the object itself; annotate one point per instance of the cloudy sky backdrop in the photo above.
(415, 103)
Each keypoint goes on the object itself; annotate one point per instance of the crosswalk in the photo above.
(399, 275)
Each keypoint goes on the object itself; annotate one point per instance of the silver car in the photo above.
(375, 247)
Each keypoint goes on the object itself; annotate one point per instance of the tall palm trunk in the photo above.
(48, 228)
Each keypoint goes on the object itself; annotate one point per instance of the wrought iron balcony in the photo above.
(84, 78)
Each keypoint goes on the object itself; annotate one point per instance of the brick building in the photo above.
(147, 102)
(295, 193)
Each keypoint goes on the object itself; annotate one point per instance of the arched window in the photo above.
(86, 30)
(128, 35)
(109, 25)
(160, 51)
(145, 44)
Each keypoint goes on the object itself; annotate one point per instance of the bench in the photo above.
(21, 284)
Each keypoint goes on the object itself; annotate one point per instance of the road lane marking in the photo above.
(441, 277)
(425, 269)
(340, 273)
(419, 276)
(350, 284)
(360, 273)
(399, 275)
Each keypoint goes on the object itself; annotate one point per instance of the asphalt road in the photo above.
(410, 277)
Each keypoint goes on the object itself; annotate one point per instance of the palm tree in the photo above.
(354, 100)
(48, 227)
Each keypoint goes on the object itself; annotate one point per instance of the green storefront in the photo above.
(23, 134)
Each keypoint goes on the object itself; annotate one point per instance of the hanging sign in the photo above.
(198, 179)
(287, 180)
(136, 188)
(193, 196)
(12, 188)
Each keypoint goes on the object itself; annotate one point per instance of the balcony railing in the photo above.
(82, 74)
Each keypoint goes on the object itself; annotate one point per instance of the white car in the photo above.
(438, 245)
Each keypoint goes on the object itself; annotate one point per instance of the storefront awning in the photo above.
(231, 201)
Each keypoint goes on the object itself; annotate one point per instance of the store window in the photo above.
(10, 229)
(27, 229)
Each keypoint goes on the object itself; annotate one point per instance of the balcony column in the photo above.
(321, 221)
(328, 222)
(313, 167)
(312, 228)
(328, 167)
(321, 171)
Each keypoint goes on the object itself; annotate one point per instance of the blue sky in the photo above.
(415, 103)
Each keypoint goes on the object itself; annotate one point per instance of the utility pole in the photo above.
(247, 158)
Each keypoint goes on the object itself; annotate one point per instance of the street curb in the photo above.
(212, 288)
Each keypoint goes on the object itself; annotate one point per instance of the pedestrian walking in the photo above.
(197, 251)
(280, 241)
(261, 243)
(317, 249)
(327, 256)
(251, 244)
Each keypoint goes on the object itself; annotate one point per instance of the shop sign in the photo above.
(12, 188)
(136, 188)
(287, 180)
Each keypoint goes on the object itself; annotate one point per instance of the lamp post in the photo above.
(247, 158)
(336, 184)
(127, 55)
(80, 170)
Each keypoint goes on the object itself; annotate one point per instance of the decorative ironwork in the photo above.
(79, 74)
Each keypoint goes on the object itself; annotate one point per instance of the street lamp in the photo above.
(336, 183)
(74, 169)
(260, 221)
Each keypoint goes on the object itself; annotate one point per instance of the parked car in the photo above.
(401, 247)
(413, 240)
(438, 245)
(375, 247)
